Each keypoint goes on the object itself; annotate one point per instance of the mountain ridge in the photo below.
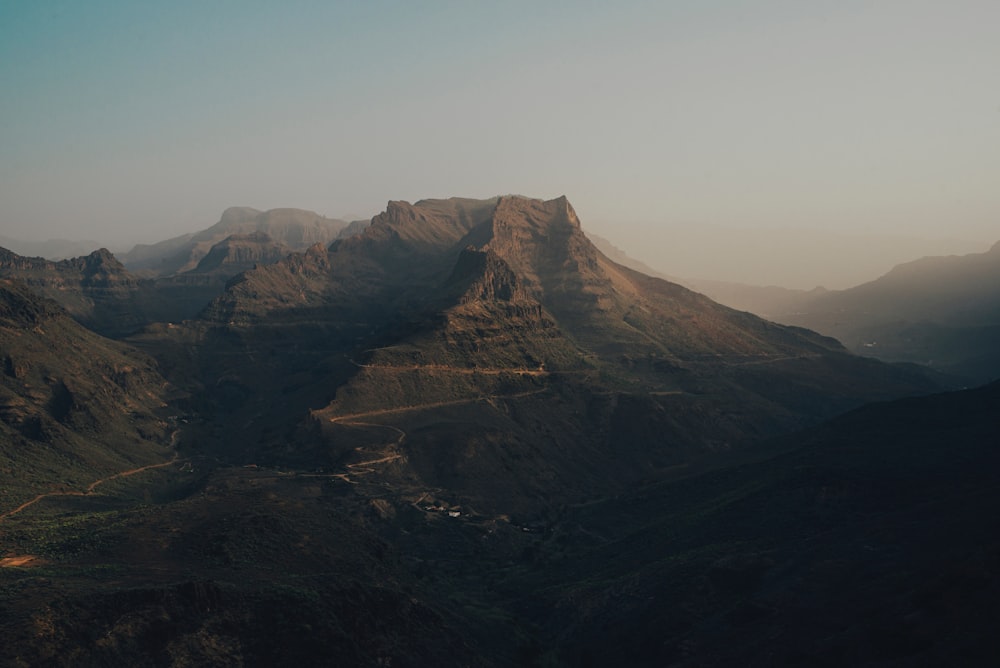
(943, 311)
(463, 312)
(296, 228)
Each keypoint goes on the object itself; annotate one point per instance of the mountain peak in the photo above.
(236, 214)
(554, 211)
(102, 257)
(567, 210)
(100, 269)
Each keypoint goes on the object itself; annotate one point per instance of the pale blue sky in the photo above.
(134, 121)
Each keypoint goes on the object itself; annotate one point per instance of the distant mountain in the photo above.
(943, 312)
(102, 295)
(765, 301)
(939, 311)
(296, 228)
(769, 301)
(355, 228)
(799, 257)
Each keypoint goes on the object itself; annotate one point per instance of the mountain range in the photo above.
(172, 280)
(939, 311)
(463, 435)
(296, 229)
(449, 320)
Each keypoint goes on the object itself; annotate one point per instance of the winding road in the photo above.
(97, 483)
(357, 419)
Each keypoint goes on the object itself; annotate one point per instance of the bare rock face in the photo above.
(355, 228)
(492, 278)
(543, 242)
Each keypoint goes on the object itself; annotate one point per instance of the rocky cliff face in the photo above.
(488, 278)
(610, 306)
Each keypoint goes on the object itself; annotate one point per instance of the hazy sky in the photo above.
(135, 121)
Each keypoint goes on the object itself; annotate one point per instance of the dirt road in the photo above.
(91, 487)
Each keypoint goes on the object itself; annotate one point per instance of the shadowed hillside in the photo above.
(869, 541)
(73, 406)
